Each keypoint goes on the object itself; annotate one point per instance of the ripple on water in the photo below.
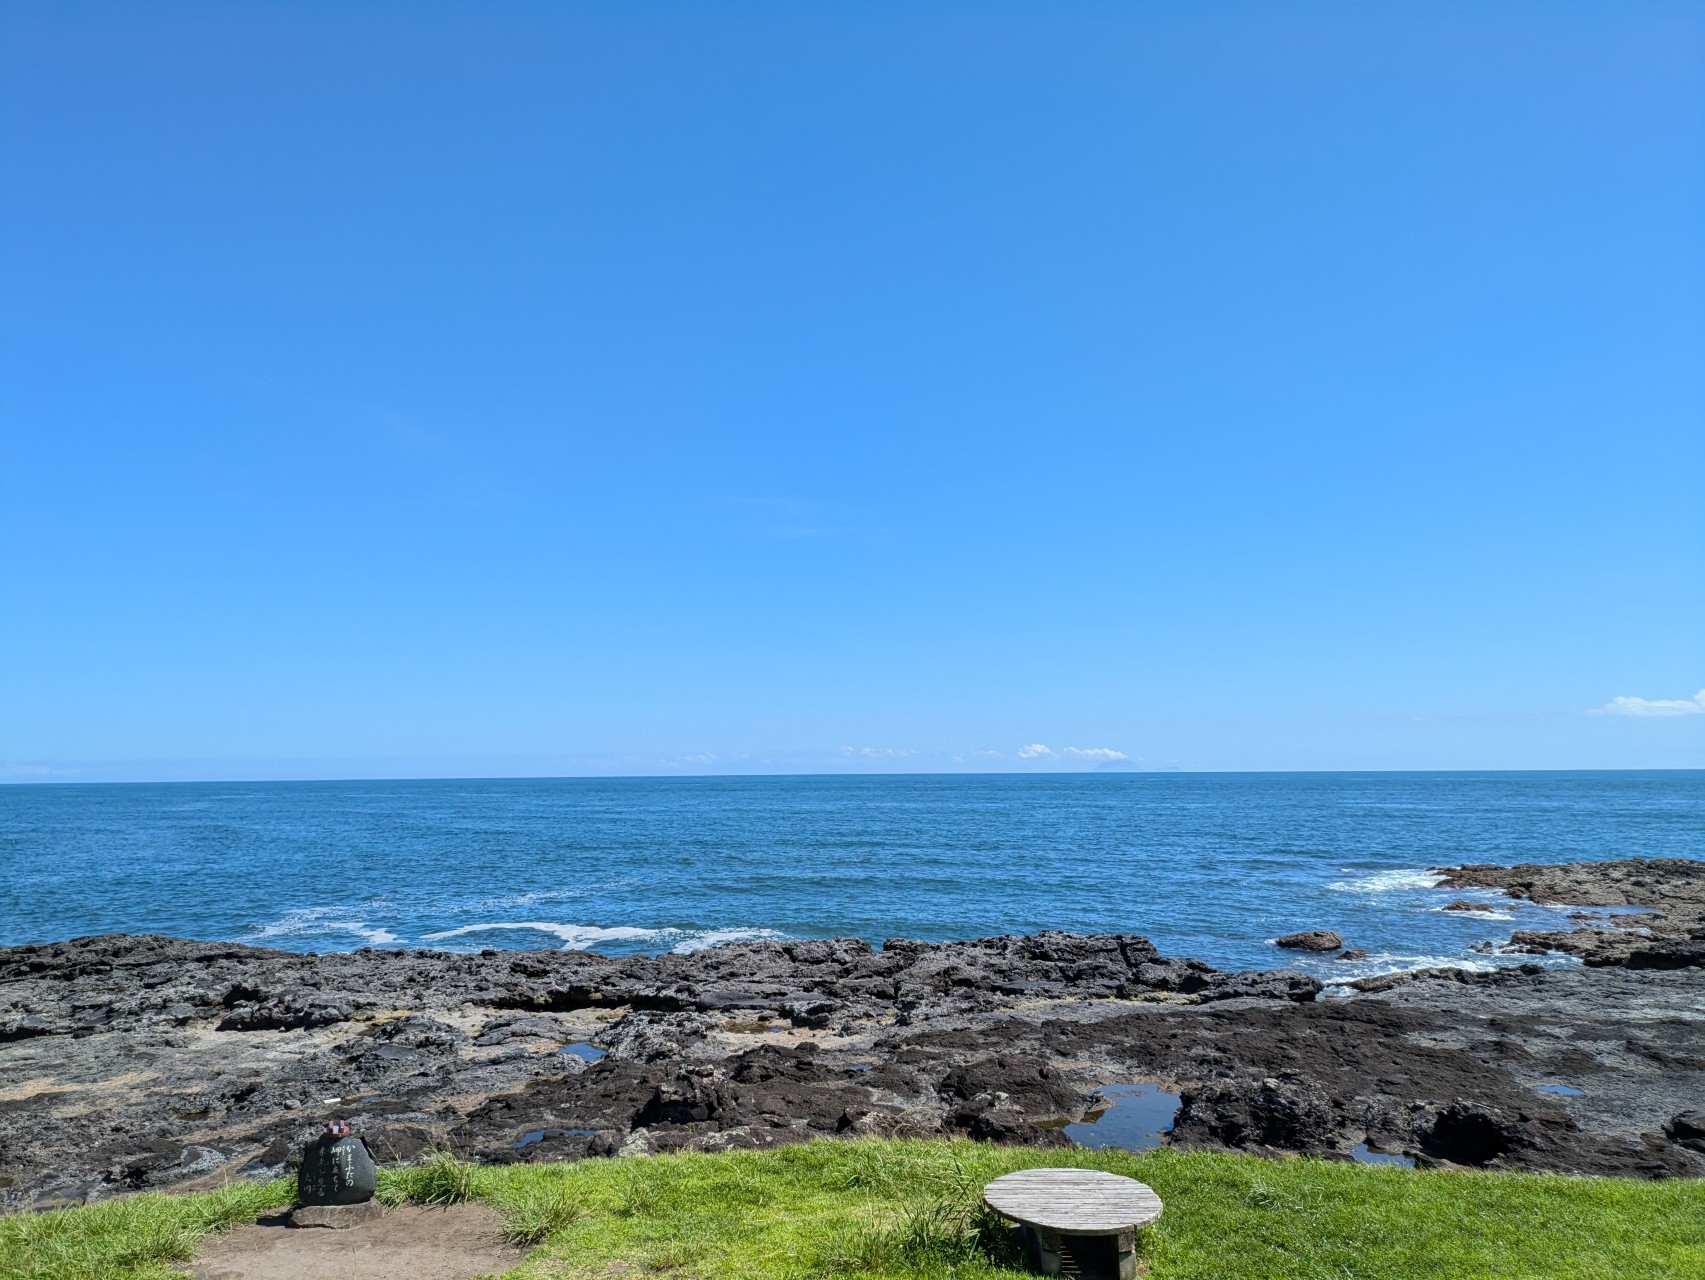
(582, 1050)
(644, 866)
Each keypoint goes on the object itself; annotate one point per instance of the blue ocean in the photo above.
(1207, 865)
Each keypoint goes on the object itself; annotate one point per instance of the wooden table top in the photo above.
(1083, 1202)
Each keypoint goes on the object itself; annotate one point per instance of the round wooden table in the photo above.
(1056, 1205)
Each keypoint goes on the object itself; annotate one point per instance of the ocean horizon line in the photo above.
(38, 780)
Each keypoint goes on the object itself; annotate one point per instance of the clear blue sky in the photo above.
(426, 389)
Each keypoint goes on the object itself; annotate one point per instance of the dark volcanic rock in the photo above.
(657, 1037)
(283, 1013)
(204, 1060)
(1661, 884)
(1688, 1129)
(1469, 1134)
(991, 1118)
(1030, 1083)
(1264, 984)
(1265, 1114)
(1313, 940)
(1668, 933)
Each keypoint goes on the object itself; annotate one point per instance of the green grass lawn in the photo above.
(878, 1209)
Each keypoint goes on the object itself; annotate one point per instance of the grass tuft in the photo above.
(927, 1236)
(442, 1180)
(137, 1237)
(533, 1214)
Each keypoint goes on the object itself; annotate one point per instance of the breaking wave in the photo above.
(587, 937)
(309, 921)
(1388, 882)
(575, 937)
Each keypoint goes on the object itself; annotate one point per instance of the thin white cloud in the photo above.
(1034, 751)
(1095, 753)
(1694, 706)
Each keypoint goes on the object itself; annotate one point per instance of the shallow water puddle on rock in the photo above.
(1563, 1090)
(539, 1135)
(580, 1049)
(1361, 1153)
(1138, 1117)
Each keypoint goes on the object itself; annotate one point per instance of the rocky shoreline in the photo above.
(132, 1062)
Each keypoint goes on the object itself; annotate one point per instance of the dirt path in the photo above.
(411, 1243)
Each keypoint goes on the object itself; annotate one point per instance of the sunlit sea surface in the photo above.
(1207, 865)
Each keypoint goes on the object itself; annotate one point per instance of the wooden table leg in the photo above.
(1127, 1244)
(1047, 1251)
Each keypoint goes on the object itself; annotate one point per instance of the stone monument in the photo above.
(335, 1185)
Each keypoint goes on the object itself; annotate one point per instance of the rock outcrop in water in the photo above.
(1313, 940)
(134, 1062)
(1665, 929)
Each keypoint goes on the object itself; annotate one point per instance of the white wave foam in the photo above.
(334, 920)
(310, 920)
(716, 937)
(1388, 882)
(1402, 964)
(1477, 915)
(583, 937)
(1382, 963)
(575, 937)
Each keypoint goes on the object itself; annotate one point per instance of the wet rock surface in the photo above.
(1665, 928)
(132, 1062)
(1312, 940)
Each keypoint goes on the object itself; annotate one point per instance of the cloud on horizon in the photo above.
(1101, 755)
(1694, 706)
(34, 771)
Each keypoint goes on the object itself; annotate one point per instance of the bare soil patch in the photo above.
(461, 1242)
